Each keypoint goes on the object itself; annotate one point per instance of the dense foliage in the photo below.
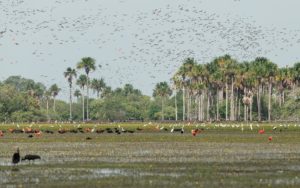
(223, 89)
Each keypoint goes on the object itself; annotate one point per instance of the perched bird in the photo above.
(16, 157)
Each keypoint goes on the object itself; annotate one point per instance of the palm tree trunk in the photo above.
(245, 105)
(191, 110)
(176, 110)
(70, 102)
(188, 106)
(236, 105)
(162, 109)
(259, 102)
(250, 106)
(217, 102)
(183, 104)
(221, 92)
(208, 105)
(87, 98)
(83, 98)
(269, 105)
(239, 110)
(54, 102)
(47, 104)
(199, 107)
(232, 102)
(226, 112)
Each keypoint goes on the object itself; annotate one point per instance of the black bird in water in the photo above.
(16, 157)
(31, 157)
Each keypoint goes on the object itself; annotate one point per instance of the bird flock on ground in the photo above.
(136, 42)
(149, 127)
(195, 129)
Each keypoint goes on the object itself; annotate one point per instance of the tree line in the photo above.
(221, 90)
(226, 89)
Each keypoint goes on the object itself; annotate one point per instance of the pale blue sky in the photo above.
(141, 42)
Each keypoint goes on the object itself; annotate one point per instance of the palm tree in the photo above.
(107, 91)
(225, 64)
(54, 89)
(231, 71)
(81, 82)
(77, 94)
(271, 74)
(162, 90)
(284, 80)
(176, 84)
(184, 72)
(88, 64)
(260, 71)
(217, 78)
(98, 85)
(70, 74)
(199, 83)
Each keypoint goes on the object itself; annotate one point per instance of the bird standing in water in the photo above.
(16, 157)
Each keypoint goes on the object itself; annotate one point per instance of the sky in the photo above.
(141, 42)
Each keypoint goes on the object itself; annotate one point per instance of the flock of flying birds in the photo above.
(150, 43)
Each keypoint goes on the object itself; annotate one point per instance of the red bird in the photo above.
(38, 133)
(262, 131)
(270, 138)
(195, 132)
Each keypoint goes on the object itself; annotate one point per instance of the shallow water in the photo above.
(156, 163)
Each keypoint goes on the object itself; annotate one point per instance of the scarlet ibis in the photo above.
(195, 132)
(38, 133)
(16, 157)
(262, 131)
(270, 138)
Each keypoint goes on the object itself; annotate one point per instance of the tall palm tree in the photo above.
(217, 78)
(98, 85)
(88, 64)
(175, 86)
(162, 90)
(185, 72)
(260, 73)
(225, 64)
(70, 74)
(231, 71)
(199, 82)
(54, 89)
(81, 82)
(272, 71)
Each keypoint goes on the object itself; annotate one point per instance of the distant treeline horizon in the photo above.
(221, 90)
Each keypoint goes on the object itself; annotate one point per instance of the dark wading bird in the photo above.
(31, 157)
(16, 157)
